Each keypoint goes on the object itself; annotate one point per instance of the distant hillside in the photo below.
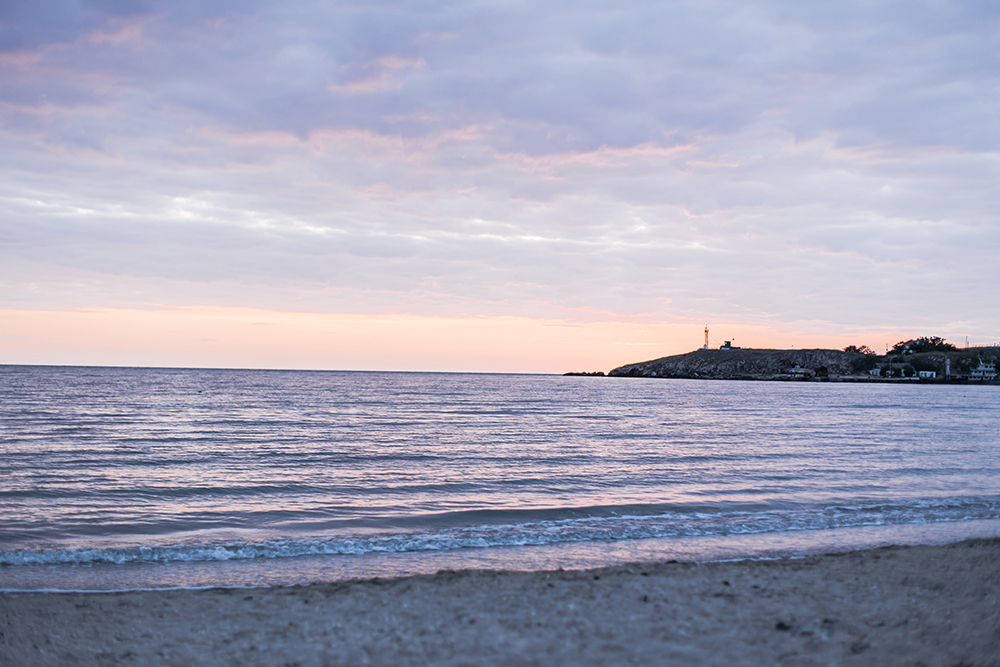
(962, 360)
(736, 364)
(785, 364)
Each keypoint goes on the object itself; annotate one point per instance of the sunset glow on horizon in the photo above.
(214, 337)
(491, 187)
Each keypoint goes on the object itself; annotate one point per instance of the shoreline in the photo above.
(927, 604)
(850, 379)
(940, 366)
(571, 555)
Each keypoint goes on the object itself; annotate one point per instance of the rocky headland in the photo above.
(736, 364)
(906, 362)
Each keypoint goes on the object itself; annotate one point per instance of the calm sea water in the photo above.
(117, 478)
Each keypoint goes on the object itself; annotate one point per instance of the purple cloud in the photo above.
(790, 161)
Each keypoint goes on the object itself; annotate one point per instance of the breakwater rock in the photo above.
(744, 364)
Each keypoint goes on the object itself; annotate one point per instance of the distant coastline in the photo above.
(975, 365)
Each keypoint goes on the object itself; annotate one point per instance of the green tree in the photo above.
(864, 363)
(922, 344)
(924, 364)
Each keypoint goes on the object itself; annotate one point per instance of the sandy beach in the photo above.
(923, 605)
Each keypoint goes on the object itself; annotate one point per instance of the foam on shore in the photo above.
(262, 572)
(933, 605)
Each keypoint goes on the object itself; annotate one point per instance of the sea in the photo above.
(139, 478)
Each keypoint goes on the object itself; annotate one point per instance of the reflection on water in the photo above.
(165, 468)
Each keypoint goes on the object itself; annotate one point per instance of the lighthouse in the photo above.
(706, 338)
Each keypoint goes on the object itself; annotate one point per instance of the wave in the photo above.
(603, 528)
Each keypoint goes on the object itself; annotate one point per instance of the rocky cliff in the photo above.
(741, 364)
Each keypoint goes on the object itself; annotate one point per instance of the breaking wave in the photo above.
(676, 523)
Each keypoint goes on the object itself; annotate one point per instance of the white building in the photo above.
(929, 375)
(984, 371)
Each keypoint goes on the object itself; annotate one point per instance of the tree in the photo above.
(922, 344)
(864, 362)
(862, 349)
(925, 364)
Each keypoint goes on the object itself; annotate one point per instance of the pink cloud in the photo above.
(603, 157)
(119, 30)
(384, 78)
(22, 59)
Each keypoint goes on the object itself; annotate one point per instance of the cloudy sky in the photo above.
(497, 186)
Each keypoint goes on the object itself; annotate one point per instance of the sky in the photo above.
(492, 186)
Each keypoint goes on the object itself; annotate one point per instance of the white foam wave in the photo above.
(532, 533)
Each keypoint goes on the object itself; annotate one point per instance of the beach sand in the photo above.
(923, 605)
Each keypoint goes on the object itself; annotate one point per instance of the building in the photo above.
(927, 375)
(985, 371)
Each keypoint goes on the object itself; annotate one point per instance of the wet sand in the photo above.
(924, 605)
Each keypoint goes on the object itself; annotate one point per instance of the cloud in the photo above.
(763, 161)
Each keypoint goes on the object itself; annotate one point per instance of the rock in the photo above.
(744, 364)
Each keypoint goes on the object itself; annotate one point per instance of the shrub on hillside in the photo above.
(922, 344)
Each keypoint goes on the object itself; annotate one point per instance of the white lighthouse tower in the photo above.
(706, 338)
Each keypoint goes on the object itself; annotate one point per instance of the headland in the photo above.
(972, 365)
